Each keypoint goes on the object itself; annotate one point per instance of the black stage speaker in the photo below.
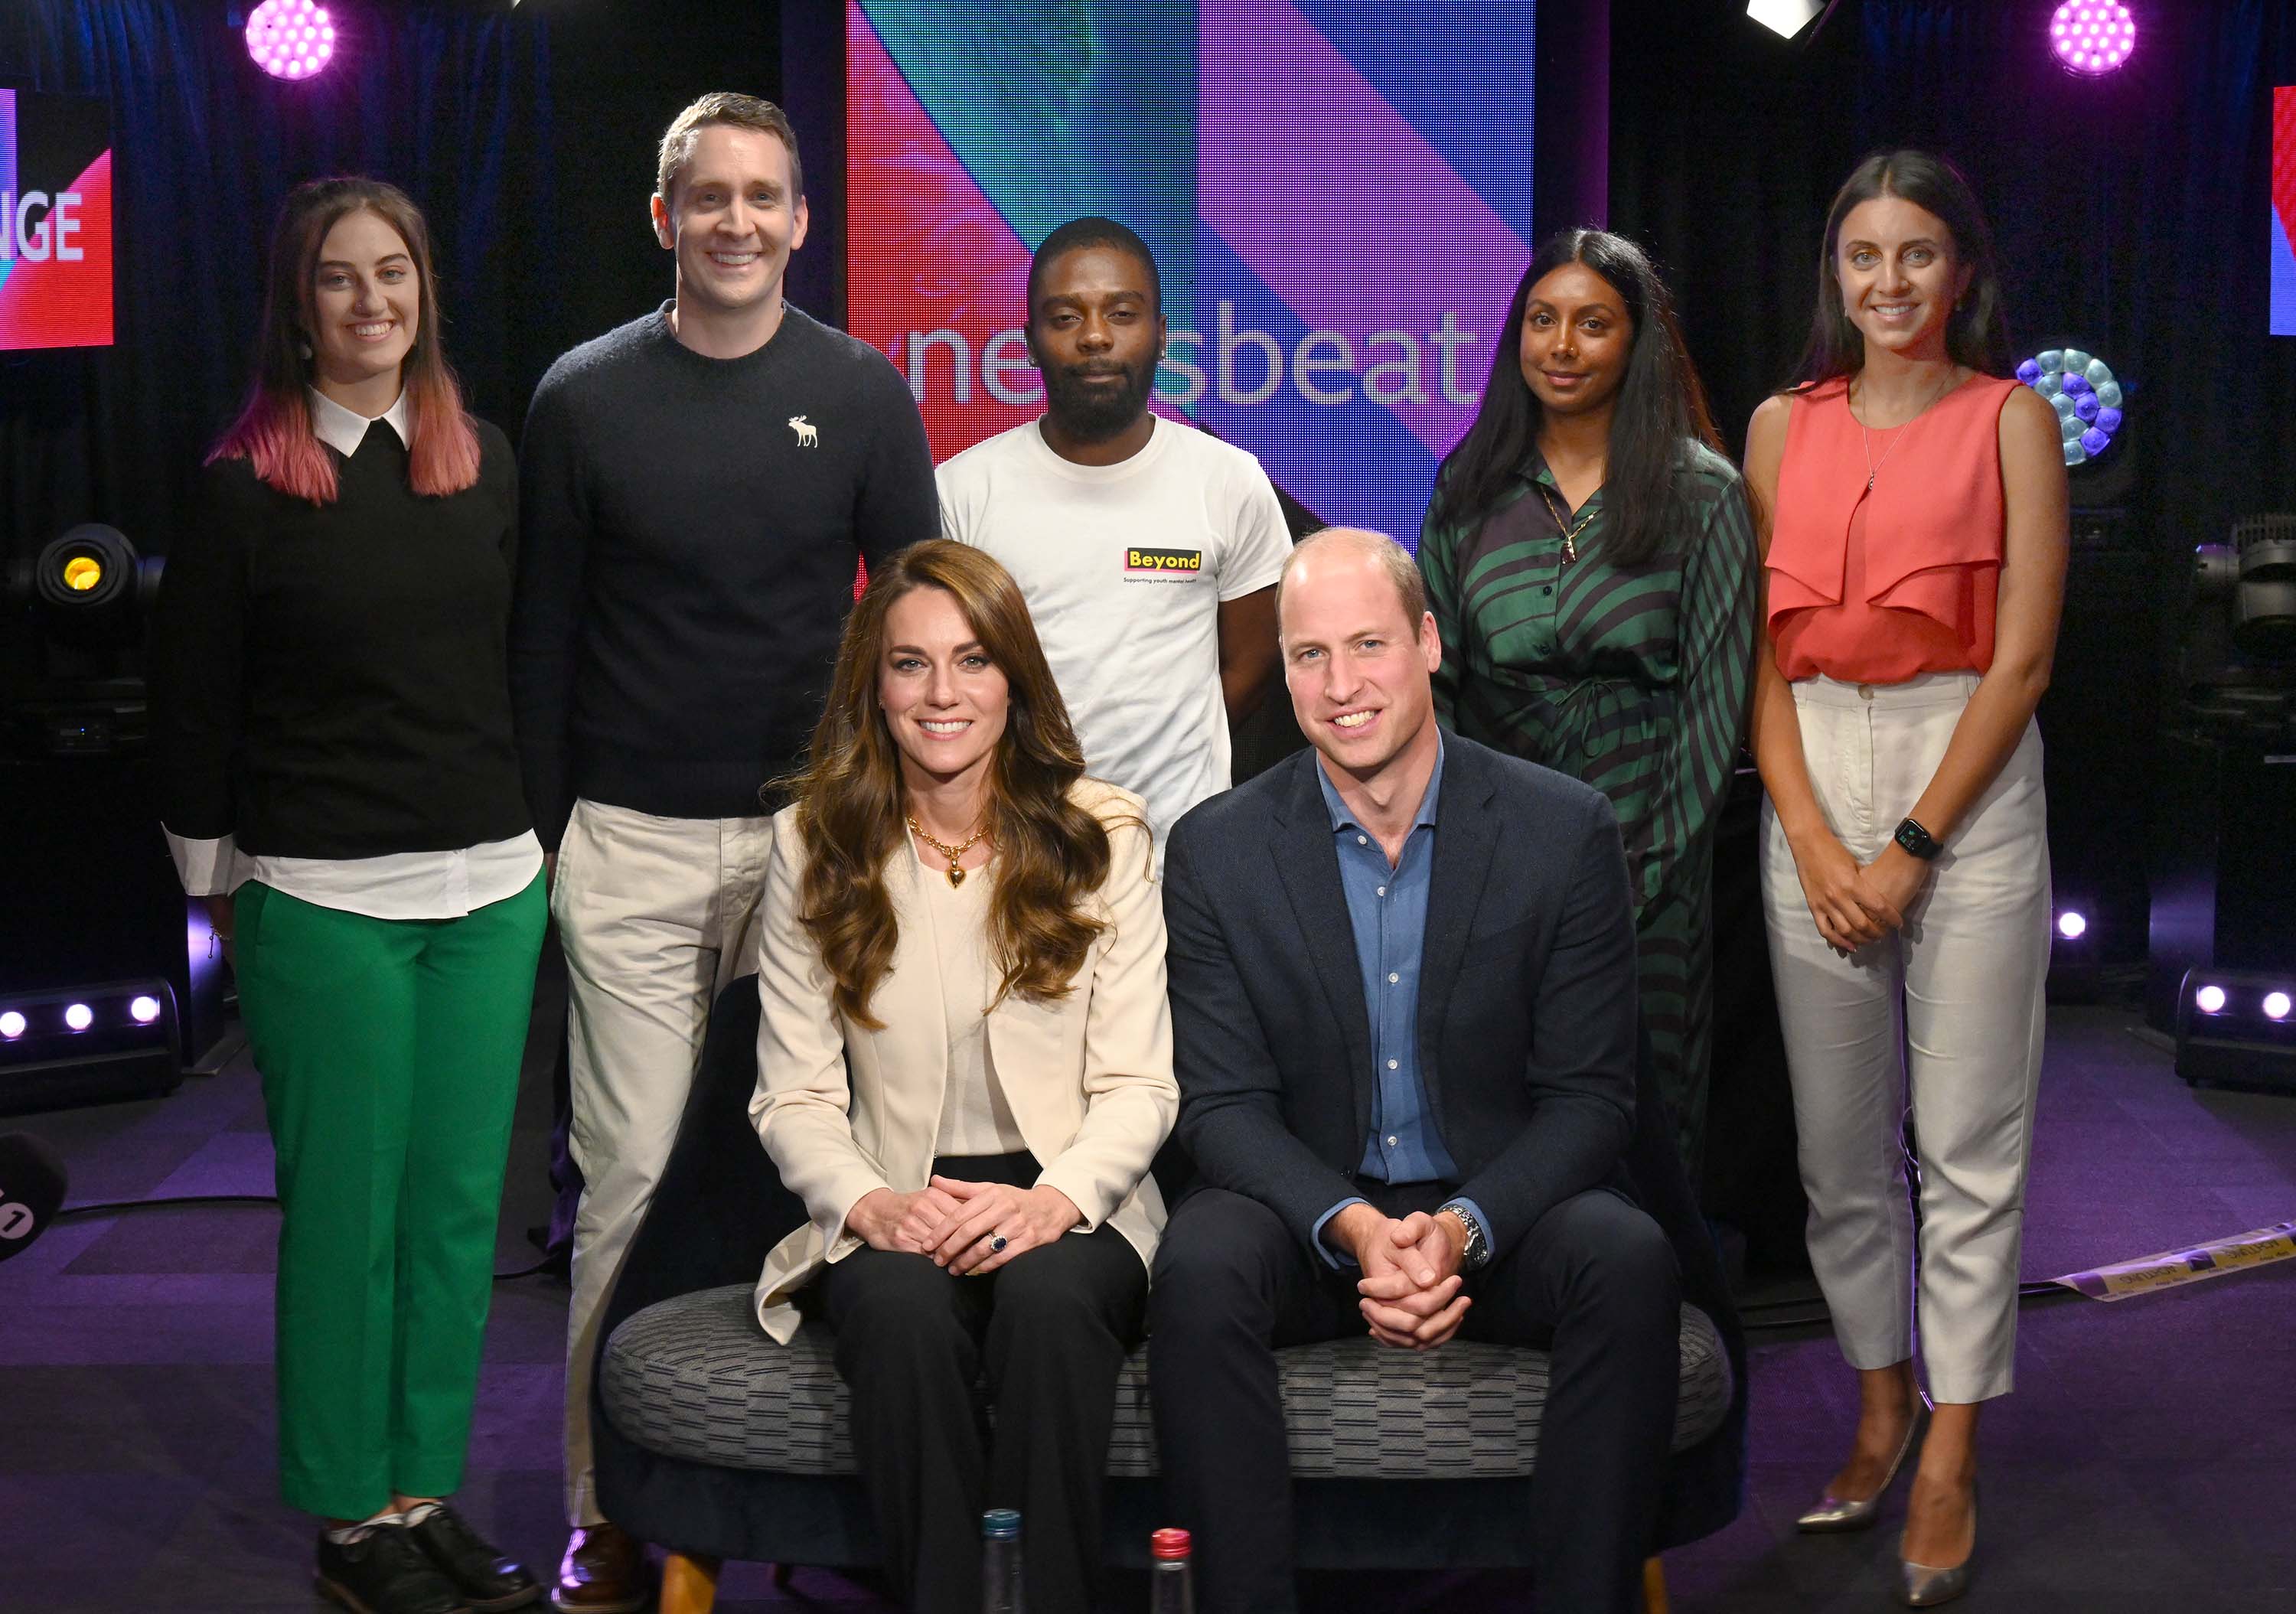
(2224, 869)
(2098, 722)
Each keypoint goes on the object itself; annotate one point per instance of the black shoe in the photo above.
(487, 1579)
(384, 1572)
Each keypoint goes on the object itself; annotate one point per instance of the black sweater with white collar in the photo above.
(329, 681)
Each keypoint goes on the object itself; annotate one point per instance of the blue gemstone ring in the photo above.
(997, 1243)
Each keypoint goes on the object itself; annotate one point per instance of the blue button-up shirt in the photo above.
(1387, 908)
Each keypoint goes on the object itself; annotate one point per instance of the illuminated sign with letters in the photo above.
(55, 221)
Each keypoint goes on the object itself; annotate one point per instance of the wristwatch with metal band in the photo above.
(1917, 841)
(1478, 1252)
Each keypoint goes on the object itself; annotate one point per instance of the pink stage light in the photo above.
(291, 38)
(2092, 36)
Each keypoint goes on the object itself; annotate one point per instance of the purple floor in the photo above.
(2146, 1463)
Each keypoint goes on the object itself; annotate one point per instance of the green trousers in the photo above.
(389, 1051)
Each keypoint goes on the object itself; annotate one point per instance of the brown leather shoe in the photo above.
(604, 1572)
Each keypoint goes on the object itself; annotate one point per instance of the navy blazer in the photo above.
(1528, 1001)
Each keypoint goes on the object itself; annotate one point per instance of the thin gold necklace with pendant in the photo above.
(1867, 436)
(956, 874)
(1569, 534)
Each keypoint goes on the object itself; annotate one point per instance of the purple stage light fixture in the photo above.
(291, 38)
(2074, 972)
(2092, 36)
(88, 1042)
(2083, 390)
(2237, 1028)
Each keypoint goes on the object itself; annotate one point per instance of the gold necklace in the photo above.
(956, 874)
(1569, 534)
(1866, 438)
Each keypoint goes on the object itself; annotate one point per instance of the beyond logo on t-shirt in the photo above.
(1177, 564)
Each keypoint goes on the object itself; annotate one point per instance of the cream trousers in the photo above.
(1947, 1013)
(655, 916)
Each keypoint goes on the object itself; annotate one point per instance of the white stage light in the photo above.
(1784, 18)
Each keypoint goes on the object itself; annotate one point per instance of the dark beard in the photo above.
(1095, 414)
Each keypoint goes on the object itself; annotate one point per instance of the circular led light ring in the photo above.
(291, 38)
(2087, 396)
(2092, 36)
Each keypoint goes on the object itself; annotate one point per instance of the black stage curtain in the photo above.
(2130, 215)
(527, 137)
(2129, 210)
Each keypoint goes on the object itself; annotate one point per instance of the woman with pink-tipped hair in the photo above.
(336, 777)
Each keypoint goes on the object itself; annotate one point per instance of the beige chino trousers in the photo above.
(656, 916)
(1947, 1014)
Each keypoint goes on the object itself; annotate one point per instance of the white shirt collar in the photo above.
(343, 430)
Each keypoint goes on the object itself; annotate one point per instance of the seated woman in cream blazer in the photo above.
(964, 1067)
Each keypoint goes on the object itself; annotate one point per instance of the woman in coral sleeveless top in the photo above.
(1913, 556)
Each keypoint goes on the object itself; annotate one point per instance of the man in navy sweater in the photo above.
(698, 486)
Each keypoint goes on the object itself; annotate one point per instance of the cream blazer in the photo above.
(844, 1111)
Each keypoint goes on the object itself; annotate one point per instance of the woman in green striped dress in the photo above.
(1590, 559)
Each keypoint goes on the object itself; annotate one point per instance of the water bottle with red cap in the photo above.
(1171, 1582)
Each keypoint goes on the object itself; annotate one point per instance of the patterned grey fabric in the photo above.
(696, 1378)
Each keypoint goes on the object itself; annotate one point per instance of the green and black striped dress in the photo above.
(1633, 681)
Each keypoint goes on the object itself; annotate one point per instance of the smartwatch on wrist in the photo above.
(1477, 1255)
(1917, 841)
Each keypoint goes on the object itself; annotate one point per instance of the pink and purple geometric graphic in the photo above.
(2283, 210)
(1340, 208)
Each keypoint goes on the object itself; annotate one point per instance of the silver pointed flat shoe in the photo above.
(1924, 1585)
(1833, 1516)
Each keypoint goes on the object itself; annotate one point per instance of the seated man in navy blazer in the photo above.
(1403, 988)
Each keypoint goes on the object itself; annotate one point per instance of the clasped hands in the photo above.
(1855, 903)
(1411, 1284)
(955, 1222)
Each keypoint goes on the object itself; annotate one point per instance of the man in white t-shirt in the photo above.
(1148, 550)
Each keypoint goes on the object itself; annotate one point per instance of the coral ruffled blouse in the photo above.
(1881, 586)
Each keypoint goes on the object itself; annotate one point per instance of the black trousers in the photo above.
(1595, 1281)
(1049, 1330)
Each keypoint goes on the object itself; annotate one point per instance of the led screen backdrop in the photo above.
(1339, 207)
(2283, 210)
(55, 222)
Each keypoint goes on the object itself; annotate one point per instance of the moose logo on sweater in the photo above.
(808, 435)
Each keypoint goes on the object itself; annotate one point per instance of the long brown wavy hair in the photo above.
(1052, 854)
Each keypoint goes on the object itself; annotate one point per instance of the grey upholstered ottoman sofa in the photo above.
(719, 1443)
(693, 1378)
